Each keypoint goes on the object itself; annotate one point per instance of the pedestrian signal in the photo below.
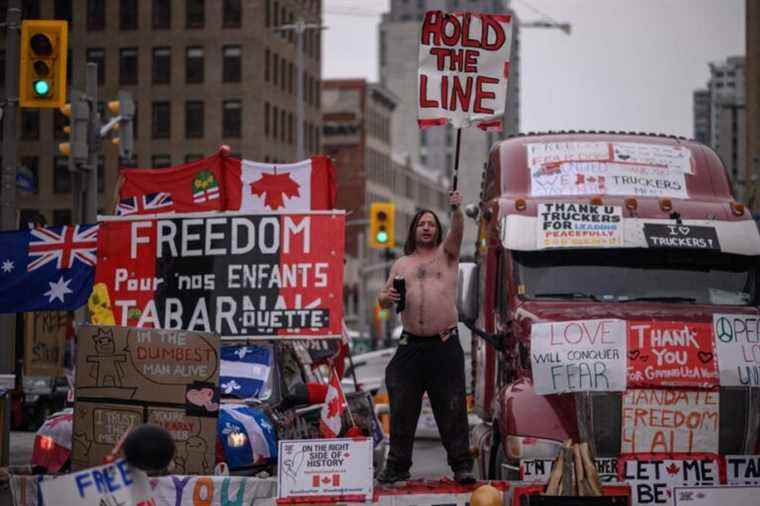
(42, 69)
(381, 221)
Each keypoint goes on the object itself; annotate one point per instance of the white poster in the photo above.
(324, 468)
(743, 469)
(662, 156)
(463, 69)
(116, 483)
(737, 340)
(713, 496)
(670, 421)
(579, 356)
(606, 178)
(538, 470)
(575, 225)
(674, 158)
(654, 480)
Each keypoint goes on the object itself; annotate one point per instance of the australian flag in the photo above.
(247, 436)
(47, 268)
(153, 203)
(244, 370)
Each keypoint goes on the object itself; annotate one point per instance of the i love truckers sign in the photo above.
(463, 69)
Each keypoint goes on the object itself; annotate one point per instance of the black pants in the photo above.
(436, 367)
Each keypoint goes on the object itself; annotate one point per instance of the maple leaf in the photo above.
(276, 186)
(672, 469)
(334, 407)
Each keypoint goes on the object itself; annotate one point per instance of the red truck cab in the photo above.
(607, 234)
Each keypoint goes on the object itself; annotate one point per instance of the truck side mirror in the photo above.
(467, 292)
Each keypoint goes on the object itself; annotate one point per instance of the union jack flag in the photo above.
(160, 202)
(73, 242)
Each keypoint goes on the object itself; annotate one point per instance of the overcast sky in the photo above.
(628, 64)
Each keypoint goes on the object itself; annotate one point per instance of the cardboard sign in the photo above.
(569, 225)
(670, 421)
(578, 356)
(674, 354)
(653, 479)
(737, 339)
(241, 276)
(681, 236)
(743, 469)
(325, 468)
(45, 342)
(126, 376)
(712, 496)
(463, 69)
(111, 484)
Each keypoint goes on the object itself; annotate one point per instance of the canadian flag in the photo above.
(301, 186)
(332, 411)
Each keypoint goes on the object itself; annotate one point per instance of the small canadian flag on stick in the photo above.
(332, 411)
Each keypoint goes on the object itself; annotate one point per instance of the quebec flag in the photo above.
(247, 436)
(47, 268)
(244, 370)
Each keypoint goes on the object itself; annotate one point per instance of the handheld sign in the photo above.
(463, 69)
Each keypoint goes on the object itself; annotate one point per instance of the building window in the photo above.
(275, 121)
(276, 12)
(284, 70)
(162, 120)
(63, 10)
(291, 73)
(231, 118)
(268, 14)
(193, 157)
(30, 125)
(266, 119)
(162, 14)
(61, 175)
(231, 64)
(28, 172)
(128, 65)
(283, 124)
(275, 68)
(161, 161)
(98, 55)
(194, 15)
(101, 174)
(193, 119)
(128, 14)
(96, 14)
(194, 65)
(290, 128)
(232, 14)
(59, 121)
(162, 65)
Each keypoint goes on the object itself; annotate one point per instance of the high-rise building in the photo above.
(727, 117)
(702, 116)
(752, 94)
(435, 147)
(202, 73)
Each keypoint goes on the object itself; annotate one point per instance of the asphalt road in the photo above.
(22, 444)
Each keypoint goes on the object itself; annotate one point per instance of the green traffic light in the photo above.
(41, 88)
(382, 236)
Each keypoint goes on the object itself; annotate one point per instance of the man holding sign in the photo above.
(429, 357)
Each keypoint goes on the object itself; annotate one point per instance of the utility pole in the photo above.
(93, 145)
(299, 27)
(8, 202)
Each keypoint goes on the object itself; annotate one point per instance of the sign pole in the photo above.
(456, 161)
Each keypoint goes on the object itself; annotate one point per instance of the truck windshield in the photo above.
(626, 275)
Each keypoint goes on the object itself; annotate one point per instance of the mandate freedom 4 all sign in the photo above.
(238, 275)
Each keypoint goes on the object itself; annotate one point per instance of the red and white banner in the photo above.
(671, 354)
(330, 422)
(463, 69)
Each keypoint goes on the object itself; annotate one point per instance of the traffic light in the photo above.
(42, 71)
(381, 218)
(124, 110)
(78, 112)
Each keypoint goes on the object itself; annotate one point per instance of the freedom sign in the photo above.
(237, 275)
(116, 483)
(463, 69)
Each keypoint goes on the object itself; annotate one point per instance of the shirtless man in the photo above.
(429, 357)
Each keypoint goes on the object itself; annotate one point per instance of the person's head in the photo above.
(425, 230)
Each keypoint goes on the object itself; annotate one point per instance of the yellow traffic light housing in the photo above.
(381, 221)
(42, 72)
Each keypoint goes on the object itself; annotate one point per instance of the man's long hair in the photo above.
(411, 239)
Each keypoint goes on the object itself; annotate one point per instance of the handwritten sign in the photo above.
(570, 225)
(652, 480)
(538, 470)
(579, 356)
(463, 69)
(670, 421)
(635, 154)
(743, 469)
(325, 467)
(712, 496)
(111, 484)
(44, 342)
(123, 372)
(737, 339)
(675, 354)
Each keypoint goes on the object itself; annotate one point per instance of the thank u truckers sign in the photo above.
(237, 275)
(463, 69)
